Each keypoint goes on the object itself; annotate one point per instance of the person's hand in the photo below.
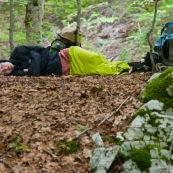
(6, 68)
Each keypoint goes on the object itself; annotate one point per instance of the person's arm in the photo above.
(32, 70)
(19, 73)
(44, 54)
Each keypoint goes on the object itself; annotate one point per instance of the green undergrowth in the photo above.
(141, 112)
(108, 139)
(67, 147)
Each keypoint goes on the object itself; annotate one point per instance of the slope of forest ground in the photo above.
(37, 113)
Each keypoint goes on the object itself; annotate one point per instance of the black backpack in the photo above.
(164, 44)
(145, 64)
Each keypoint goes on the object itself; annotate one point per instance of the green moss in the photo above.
(142, 113)
(67, 147)
(156, 89)
(156, 133)
(166, 72)
(122, 157)
(152, 120)
(118, 141)
(142, 158)
(108, 139)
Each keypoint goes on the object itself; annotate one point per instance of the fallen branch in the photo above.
(54, 157)
(113, 112)
(86, 130)
(106, 118)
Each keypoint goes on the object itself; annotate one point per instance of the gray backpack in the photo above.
(164, 44)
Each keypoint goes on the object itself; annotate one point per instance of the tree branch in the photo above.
(148, 37)
(113, 111)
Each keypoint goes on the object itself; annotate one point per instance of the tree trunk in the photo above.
(34, 21)
(78, 22)
(11, 26)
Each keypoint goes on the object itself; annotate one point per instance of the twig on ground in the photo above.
(97, 105)
(106, 118)
(113, 112)
(86, 130)
(55, 158)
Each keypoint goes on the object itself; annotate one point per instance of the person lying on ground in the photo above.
(38, 61)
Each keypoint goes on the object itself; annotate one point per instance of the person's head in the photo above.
(6, 68)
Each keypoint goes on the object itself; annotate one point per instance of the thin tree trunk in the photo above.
(78, 22)
(148, 37)
(34, 21)
(11, 26)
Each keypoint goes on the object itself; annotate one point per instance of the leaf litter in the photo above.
(43, 111)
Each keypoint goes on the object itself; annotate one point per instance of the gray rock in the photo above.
(103, 158)
(98, 140)
(153, 105)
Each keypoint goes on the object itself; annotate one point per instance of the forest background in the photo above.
(115, 28)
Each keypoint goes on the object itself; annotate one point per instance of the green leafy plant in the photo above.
(16, 144)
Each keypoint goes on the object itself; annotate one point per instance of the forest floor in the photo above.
(38, 114)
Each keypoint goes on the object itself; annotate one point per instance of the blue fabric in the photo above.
(166, 25)
(158, 45)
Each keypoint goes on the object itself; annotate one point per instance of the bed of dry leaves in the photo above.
(41, 111)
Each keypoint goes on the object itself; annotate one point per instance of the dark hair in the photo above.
(3, 60)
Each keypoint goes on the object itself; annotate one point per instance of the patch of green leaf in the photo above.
(67, 147)
(108, 139)
(16, 144)
(108, 19)
(81, 127)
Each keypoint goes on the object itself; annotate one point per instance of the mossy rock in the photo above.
(160, 88)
